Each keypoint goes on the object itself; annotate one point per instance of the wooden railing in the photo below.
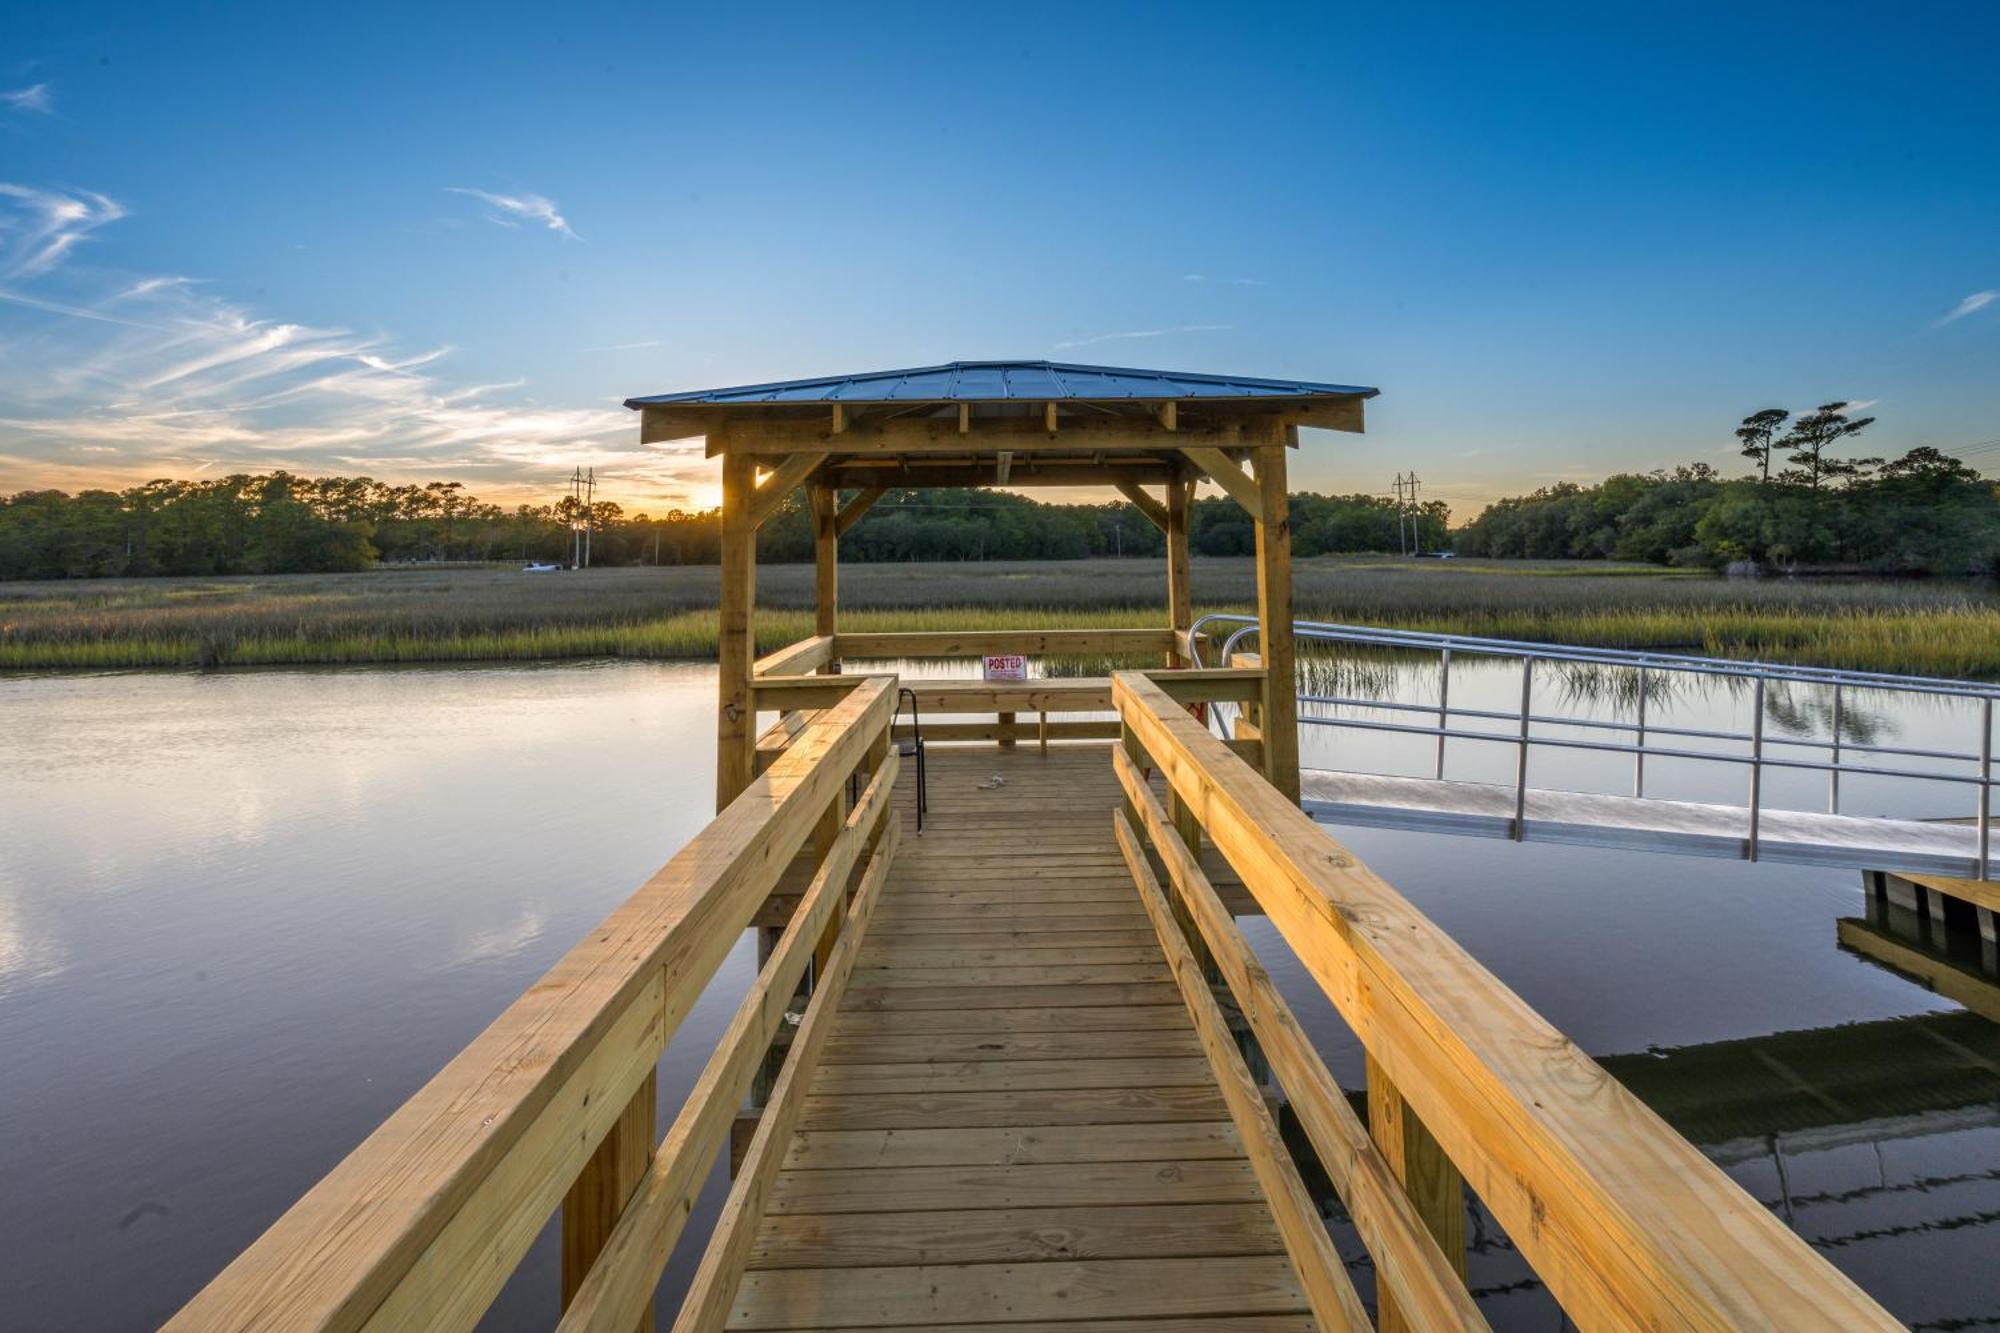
(552, 1106)
(1627, 1224)
(794, 681)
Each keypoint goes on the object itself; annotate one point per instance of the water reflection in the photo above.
(1575, 700)
(244, 915)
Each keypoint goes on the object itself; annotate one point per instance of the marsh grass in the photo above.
(504, 615)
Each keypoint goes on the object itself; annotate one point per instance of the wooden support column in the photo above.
(607, 1182)
(1432, 1182)
(1279, 714)
(826, 566)
(1180, 593)
(736, 717)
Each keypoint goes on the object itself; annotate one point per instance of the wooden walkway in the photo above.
(1013, 1120)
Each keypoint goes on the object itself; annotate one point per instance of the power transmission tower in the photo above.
(1416, 519)
(589, 512)
(575, 537)
(1402, 541)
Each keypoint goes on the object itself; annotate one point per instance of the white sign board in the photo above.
(1007, 666)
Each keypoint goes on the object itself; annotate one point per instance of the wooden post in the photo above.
(736, 717)
(607, 1182)
(1278, 718)
(1180, 594)
(825, 834)
(826, 566)
(1432, 1182)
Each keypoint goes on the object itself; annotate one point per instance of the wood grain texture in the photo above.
(361, 1234)
(1625, 1221)
(993, 1293)
(999, 1235)
(1011, 1145)
(1415, 1278)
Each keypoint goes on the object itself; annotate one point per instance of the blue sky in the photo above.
(424, 243)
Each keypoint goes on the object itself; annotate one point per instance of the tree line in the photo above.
(1803, 505)
(281, 523)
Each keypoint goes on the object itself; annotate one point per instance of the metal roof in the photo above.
(1002, 381)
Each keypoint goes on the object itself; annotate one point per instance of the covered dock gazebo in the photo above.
(1152, 435)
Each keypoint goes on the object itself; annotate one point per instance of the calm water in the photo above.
(243, 916)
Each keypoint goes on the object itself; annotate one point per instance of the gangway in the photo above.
(1957, 843)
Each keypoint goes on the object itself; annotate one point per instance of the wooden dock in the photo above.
(1000, 1063)
(1013, 1118)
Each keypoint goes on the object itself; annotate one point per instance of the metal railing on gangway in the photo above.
(1644, 733)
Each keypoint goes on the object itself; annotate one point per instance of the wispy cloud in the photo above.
(1233, 282)
(526, 207)
(114, 378)
(39, 228)
(626, 347)
(34, 98)
(1971, 305)
(1144, 333)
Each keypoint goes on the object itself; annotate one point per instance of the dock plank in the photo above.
(1012, 1075)
(1005, 1145)
(972, 1236)
(1001, 1293)
(904, 1189)
(1065, 1106)
(949, 1049)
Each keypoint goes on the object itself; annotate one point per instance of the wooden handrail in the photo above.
(1330, 1293)
(706, 1305)
(1027, 642)
(1426, 1286)
(619, 1289)
(423, 1223)
(796, 659)
(1627, 1224)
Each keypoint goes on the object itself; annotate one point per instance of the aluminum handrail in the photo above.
(1523, 721)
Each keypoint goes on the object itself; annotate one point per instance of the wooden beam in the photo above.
(1626, 1222)
(851, 512)
(1155, 512)
(917, 435)
(1344, 414)
(591, 1209)
(1235, 684)
(826, 561)
(1227, 475)
(796, 659)
(1279, 715)
(1180, 568)
(965, 418)
(1433, 1185)
(787, 477)
(850, 474)
(980, 643)
(839, 418)
(736, 713)
(1170, 415)
(1003, 467)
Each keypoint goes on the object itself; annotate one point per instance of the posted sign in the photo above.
(1007, 666)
